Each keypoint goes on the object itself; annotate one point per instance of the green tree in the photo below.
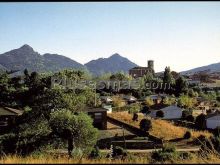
(167, 78)
(200, 121)
(180, 86)
(160, 114)
(77, 129)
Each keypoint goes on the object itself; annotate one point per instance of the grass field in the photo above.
(160, 128)
(141, 159)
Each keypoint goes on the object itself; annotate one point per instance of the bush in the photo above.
(216, 132)
(187, 135)
(145, 124)
(160, 114)
(216, 143)
(168, 152)
(134, 108)
(185, 155)
(135, 117)
(145, 109)
(200, 121)
(190, 118)
(118, 151)
(95, 153)
(186, 113)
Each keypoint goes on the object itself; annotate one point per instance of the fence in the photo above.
(135, 130)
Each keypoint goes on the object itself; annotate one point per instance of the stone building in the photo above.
(137, 72)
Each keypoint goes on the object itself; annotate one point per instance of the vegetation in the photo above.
(145, 125)
(200, 122)
(49, 112)
(158, 125)
(160, 114)
(187, 135)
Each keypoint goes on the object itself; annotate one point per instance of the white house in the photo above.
(213, 120)
(106, 99)
(129, 98)
(170, 111)
(108, 107)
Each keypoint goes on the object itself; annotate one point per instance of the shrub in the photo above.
(118, 151)
(190, 118)
(168, 152)
(134, 108)
(160, 114)
(185, 155)
(200, 122)
(186, 113)
(216, 143)
(135, 117)
(145, 124)
(95, 153)
(145, 109)
(216, 132)
(187, 135)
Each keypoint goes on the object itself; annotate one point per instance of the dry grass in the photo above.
(160, 128)
(135, 160)
(50, 160)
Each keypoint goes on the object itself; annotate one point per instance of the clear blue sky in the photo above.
(181, 35)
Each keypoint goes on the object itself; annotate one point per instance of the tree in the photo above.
(77, 129)
(186, 113)
(149, 102)
(160, 114)
(200, 121)
(167, 78)
(190, 118)
(145, 109)
(145, 125)
(119, 76)
(135, 117)
(186, 101)
(187, 135)
(180, 86)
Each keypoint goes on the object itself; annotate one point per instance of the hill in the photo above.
(208, 68)
(25, 57)
(114, 63)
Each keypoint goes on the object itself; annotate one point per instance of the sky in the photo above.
(182, 35)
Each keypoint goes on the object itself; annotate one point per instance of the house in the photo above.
(157, 99)
(202, 105)
(99, 116)
(7, 116)
(213, 120)
(137, 72)
(130, 99)
(106, 99)
(108, 107)
(170, 111)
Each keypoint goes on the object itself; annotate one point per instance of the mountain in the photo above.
(57, 62)
(26, 57)
(2, 68)
(114, 63)
(208, 68)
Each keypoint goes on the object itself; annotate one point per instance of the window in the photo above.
(98, 115)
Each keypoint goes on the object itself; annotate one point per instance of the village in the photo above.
(142, 123)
